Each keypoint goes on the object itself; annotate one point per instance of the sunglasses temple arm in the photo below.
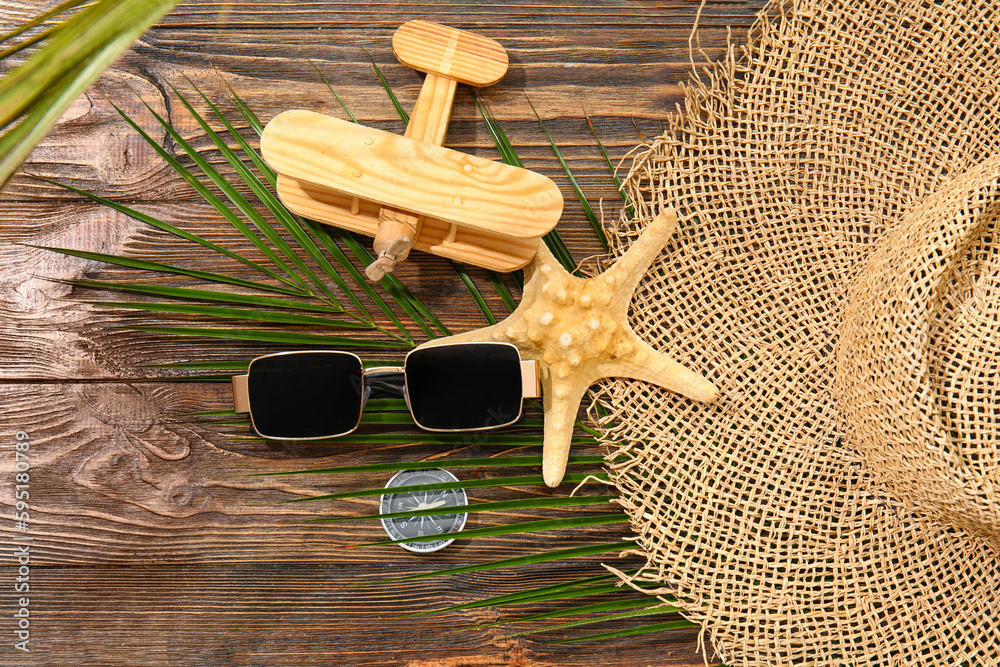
(241, 393)
(531, 379)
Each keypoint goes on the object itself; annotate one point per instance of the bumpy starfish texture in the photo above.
(578, 329)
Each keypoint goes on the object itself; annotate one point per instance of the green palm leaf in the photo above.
(430, 438)
(587, 208)
(246, 208)
(287, 220)
(331, 246)
(657, 610)
(334, 92)
(34, 94)
(500, 506)
(512, 528)
(644, 630)
(519, 480)
(558, 591)
(552, 240)
(626, 200)
(193, 294)
(477, 296)
(597, 607)
(171, 229)
(505, 461)
(405, 117)
(235, 313)
(158, 267)
(545, 557)
(61, 8)
(283, 337)
(215, 202)
(266, 172)
(248, 115)
(420, 314)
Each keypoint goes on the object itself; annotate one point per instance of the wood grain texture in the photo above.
(461, 243)
(119, 478)
(149, 546)
(239, 615)
(437, 49)
(397, 171)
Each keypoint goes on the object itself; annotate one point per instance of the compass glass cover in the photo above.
(433, 529)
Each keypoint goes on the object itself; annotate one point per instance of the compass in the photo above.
(402, 527)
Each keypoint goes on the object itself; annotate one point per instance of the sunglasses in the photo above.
(320, 394)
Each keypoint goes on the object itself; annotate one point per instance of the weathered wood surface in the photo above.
(148, 548)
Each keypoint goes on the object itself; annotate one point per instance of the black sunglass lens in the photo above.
(305, 395)
(464, 386)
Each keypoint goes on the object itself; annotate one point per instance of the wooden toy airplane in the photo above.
(408, 191)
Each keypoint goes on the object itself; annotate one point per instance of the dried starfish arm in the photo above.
(561, 403)
(577, 328)
(648, 365)
(629, 269)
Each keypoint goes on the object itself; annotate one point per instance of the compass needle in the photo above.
(401, 528)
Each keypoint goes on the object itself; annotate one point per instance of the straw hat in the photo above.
(837, 275)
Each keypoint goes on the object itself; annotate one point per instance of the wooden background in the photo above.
(146, 549)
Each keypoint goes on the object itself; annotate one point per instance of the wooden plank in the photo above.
(499, 18)
(118, 475)
(272, 69)
(148, 549)
(48, 331)
(243, 614)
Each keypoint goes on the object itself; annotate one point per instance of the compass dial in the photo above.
(400, 528)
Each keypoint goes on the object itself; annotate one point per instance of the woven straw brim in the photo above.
(836, 274)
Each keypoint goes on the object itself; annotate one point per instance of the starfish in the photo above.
(578, 331)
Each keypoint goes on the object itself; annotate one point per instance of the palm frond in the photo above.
(159, 267)
(595, 608)
(170, 229)
(34, 94)
(405, 117)
(626, 200)
(642, 630)
(587, 208)
(316, 267)
(655, 610)
(477, 296)
(502, 290)
(215, 202)
(511, 528)
(544, 557)
(499, 506)
(508, 154)
(485, 462)
(282, 337)
(245, 207)
(252, 315)
(334, 92)
(331, 246)
(562, 590)
(194, 294)
(495, 482)
(52, 12)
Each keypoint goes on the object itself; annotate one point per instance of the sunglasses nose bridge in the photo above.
(383, 378)
(383, 369)
(392, 370)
